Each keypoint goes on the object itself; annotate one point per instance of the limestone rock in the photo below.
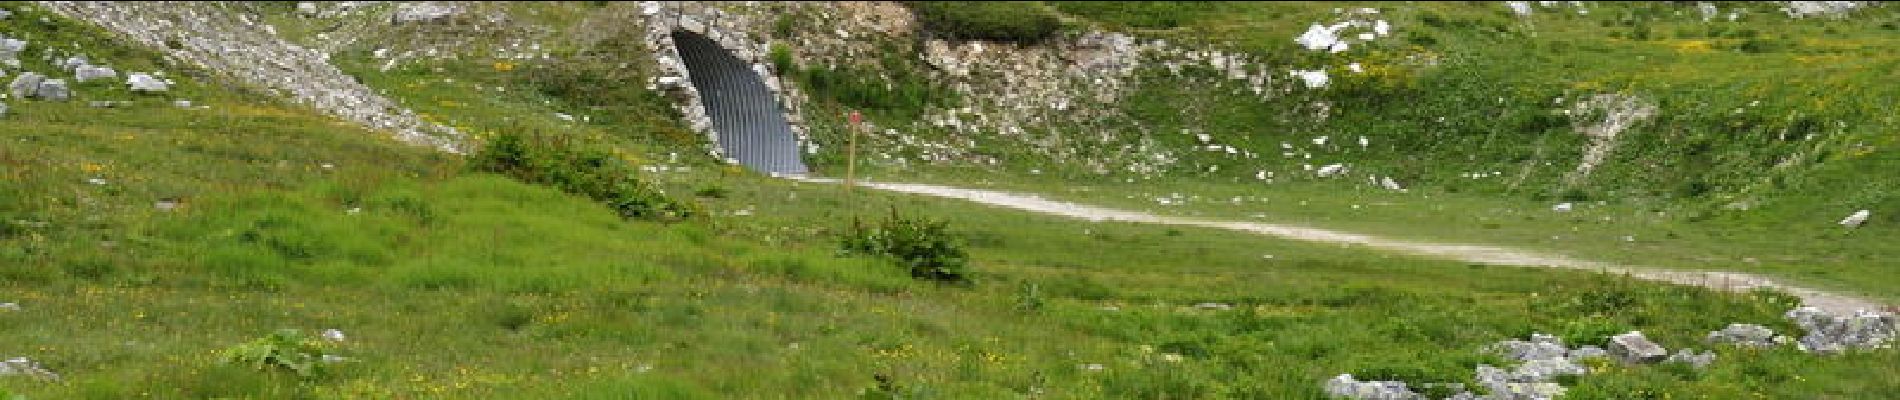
(670, 83)
(1834, 334)
(72, 63)
(10, 48)
(1505, 385)
(3, 113)
(1747, 335)
(92, 72)
(1858, 217)
(424, 11)
(25, 85)
(1690, 356)
(22, 366)
(1632, 347)
(141, 82)
(54, 89)
(1344, 386)
(1214, 306)
(1540, 347)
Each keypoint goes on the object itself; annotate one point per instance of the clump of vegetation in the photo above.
(591, 170)
(923, 245)
(1006, 21)
(895, 89)
(1144, 14)
(285, 350)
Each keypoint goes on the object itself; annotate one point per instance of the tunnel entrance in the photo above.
(751, 128)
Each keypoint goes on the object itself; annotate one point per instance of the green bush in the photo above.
(286, 349)
(781, 56)
(585, 169)
(924, 246)
(1591, 330)
(1005, 21)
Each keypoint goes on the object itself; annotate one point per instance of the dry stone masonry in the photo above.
(730, 25)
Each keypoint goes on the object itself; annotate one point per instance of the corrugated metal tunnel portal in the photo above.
(751, 126)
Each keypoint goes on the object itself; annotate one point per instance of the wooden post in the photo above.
(851, 156)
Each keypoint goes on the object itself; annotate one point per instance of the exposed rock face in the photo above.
(227, 41)
(422, 11)
(1049, 97)
(1801, 9)
(1602, 118)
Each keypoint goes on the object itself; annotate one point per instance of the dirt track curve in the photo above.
(1837, 303)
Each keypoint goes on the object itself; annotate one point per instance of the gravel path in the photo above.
(1837, 303)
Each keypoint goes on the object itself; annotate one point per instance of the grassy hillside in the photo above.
(1766, 130)
(450, 282)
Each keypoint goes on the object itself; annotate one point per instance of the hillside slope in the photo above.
(149, 250)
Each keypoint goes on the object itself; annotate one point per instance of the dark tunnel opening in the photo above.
(744, 112)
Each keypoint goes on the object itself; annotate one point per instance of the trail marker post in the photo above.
(851, 154)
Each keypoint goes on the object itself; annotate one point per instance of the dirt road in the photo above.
(1837, 303)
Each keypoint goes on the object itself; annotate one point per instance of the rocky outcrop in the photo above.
(1828, 333)
(235, 44)
(1601, 118)
(1345, 387)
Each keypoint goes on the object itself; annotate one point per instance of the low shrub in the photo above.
(1005, 21)
(924, 246)
(585, 169)
(285, 350)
